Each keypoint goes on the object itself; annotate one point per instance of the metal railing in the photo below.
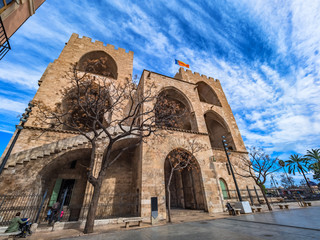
(35, 207)
(4, 41)
(27, 204)
(253, 196)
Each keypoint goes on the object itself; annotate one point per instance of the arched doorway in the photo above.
(186, 187)
(224, 189)
(67, 173)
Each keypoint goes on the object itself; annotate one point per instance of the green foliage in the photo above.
(315, 167)
(313, 155)
(297, 163)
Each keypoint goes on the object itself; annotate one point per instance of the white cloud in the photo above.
(10, 105)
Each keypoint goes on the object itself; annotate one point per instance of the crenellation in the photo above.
(110, 47)
(86, 39)
(99, 43)
(121, 50)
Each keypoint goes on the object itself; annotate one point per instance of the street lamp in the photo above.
(19, 127)
(225, 144)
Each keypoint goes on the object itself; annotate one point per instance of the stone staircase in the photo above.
(46, 150)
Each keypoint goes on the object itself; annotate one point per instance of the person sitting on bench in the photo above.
(230, 209)
(15, 223)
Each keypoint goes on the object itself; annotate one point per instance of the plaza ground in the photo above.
(287, 224)
(296, 223)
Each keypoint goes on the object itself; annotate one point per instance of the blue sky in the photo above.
(265, 53)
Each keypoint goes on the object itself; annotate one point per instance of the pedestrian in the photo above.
(55, 210)
(61, 214)
(49, 214)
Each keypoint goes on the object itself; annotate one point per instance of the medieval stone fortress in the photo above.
(56, 160)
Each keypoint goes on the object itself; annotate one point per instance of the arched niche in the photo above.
(174, 110)
(98, 62)
(79, 103)
(207, 95)
(224, 188)
(186, 187)
(217, 128)
(67, 173)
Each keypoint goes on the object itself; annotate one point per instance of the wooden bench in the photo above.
(286, 206)
(306, 204)
(280, 206)
(253, 209)
(259, 209)
(127, 221)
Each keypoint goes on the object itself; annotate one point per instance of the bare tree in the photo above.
(180, 159)
(96, 105)
(258, 165)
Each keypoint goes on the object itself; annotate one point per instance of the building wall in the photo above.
(16, 14)
(140, 173)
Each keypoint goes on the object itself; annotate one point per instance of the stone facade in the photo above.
(57, 159)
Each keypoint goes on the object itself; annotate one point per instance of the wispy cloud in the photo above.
(265, 53)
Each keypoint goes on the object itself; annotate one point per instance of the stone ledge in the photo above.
(51, 130)
(181, 130)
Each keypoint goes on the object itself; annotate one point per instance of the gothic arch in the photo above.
(217, 127)
(186, 188)
(207, 94)
(186, 119)
(98, 62)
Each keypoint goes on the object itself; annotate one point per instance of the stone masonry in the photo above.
(44, 159)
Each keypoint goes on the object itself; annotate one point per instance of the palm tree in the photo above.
(313, 155)
(283, 165)
(298, 164)
(315, 167)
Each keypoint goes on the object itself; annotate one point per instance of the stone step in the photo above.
(187, 212)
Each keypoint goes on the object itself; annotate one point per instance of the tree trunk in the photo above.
(265, 197)
(306, 181)
(169, 196)
(93, 208)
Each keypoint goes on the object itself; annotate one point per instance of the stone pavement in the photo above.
(296, 223)
(286, 224)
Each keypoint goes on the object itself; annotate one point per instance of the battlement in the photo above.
(88, 41)
(190, 76)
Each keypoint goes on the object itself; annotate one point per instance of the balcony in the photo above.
(4, 41)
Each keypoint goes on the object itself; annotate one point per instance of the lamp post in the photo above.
(23, 120)
(231, 169)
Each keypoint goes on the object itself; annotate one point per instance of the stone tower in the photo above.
(56, 160)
